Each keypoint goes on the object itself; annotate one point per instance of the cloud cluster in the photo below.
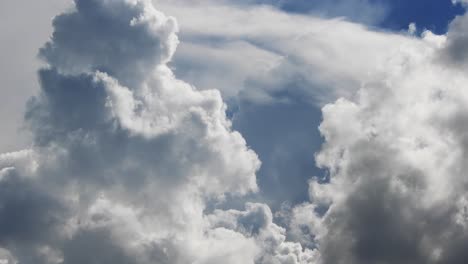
(257, 222)
(277, 74)
(126, 157)
(396, 154)
(130, 163)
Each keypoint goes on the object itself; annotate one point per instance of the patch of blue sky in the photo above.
(395, 15)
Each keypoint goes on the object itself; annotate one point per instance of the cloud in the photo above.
(395, 153)
(277, 74)
(257, 221)
(89, 39)
(132, 161)
(125, 155)
(260, 67)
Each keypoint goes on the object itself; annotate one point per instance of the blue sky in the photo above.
(430, 14)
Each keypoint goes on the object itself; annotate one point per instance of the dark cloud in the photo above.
(456, 49)
(380, 224)
(27, 213)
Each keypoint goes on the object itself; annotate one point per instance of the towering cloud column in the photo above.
(397, 155)
(125, 155)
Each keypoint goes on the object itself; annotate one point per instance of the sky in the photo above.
(252, 131)
(387, 14)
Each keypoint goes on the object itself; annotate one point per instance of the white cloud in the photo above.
(396, 154)
(313, 49)
(257, 221)
(275, 70)
(124, 153)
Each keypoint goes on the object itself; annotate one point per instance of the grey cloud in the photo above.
(378, 223)
(90, 38)
(26, 213)
(456, 50)
(67, 104)
(31, 217)
(396, 155)
(274, 81)
(96, 246)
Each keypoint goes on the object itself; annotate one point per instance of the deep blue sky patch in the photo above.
(434, 15)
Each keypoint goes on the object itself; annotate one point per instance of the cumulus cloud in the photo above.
(396, 155)
(257, 221)
(125, 155)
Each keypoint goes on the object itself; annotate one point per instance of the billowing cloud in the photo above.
(125, 155)
(396, 154)
(257, 221)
